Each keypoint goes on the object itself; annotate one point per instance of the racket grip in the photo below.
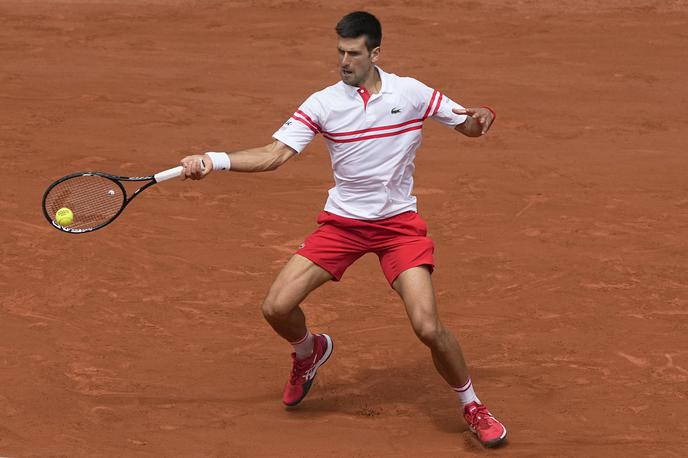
(168, 174)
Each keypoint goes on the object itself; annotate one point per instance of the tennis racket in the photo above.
(95, 198)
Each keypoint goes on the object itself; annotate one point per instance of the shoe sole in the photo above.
(494, 442)
(323, 360)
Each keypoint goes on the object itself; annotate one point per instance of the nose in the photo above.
(346, 59)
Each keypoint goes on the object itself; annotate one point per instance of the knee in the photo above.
(430, 332)
(274, 308)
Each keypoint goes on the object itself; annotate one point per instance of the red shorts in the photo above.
(401, 242)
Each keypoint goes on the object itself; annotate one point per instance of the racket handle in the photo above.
(168, 174)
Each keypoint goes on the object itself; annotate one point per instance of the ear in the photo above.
(375, 54)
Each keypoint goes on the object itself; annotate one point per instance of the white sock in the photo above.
(466, 394)
(304, 346)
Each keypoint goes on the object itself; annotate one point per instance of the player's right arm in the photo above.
(289, 140)
(261, 159)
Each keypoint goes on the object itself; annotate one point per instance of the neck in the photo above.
(372, 82)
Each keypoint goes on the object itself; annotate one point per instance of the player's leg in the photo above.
(293, 284)
(281, 309)
(416, 290)
(325, 255)
(415, 287)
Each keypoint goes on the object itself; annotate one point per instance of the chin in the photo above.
(350, 81)
(347, 78)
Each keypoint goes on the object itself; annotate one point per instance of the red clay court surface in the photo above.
(562, 236)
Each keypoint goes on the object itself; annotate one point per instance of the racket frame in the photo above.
(114, 178)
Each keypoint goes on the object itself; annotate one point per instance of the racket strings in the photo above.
(94, 200)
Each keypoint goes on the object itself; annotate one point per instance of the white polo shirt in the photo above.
(372, 141)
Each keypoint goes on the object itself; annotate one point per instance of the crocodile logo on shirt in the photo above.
(396, 110)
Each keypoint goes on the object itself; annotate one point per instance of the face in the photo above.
(355, 62)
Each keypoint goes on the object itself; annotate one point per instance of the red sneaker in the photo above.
(303, 371)
(486, 427)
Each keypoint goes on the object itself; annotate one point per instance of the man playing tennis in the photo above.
(371, 121)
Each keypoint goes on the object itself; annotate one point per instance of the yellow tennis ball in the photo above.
(64, 217)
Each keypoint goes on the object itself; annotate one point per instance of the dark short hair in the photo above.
(359, 23)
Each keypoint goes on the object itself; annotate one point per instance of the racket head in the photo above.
(95, 199)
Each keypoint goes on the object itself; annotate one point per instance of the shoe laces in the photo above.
(299, 369)
(481, 418)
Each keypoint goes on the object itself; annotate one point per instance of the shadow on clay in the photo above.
(410, 390)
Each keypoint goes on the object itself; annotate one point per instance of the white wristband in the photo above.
(220, 160)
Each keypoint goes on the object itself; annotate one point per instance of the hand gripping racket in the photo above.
(95, 198)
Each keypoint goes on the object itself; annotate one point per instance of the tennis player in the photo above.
(371, 121)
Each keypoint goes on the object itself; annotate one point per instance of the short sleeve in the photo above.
(433, 104)
(443, 111)
(302, 126)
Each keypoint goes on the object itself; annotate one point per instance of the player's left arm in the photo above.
(472, 122)
(478, 121)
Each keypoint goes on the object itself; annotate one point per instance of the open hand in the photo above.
(484, 117)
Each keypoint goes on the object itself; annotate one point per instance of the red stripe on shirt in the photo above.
(371, 129)
(370, 137)
(432, 99)
(437, 108)
(315, 131)
(315, 124)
